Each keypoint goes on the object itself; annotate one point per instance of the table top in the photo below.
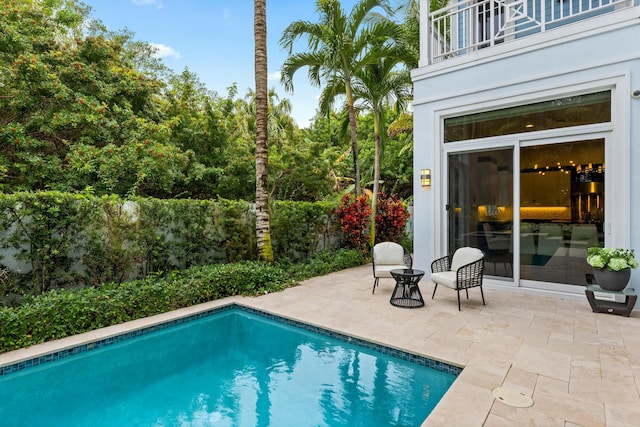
(625, 291)
(407, 272)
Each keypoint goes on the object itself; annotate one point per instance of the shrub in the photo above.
(354, 213)
(299, 229)
(53, 240)
(326, 262)
(391, 218)
(44, 230)
(60, 313)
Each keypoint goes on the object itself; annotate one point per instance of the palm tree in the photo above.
(408, 41)
(339, 45)
(263, 233)
(408, 44)
(376, 86)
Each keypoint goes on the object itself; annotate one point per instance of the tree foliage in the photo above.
(340, 44)
(83, 107)
(76, 112)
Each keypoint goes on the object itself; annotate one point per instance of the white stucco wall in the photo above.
(600, 53)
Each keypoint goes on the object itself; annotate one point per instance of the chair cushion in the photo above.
(388, 253)
(445, 278)
(463, 256)
(384, 270)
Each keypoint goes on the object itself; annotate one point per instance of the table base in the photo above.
(602, 306)
(406, 295)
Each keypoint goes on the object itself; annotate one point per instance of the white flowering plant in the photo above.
(614, 259)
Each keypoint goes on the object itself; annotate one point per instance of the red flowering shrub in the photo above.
(354, 213)
(391, 218)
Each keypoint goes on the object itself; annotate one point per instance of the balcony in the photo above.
(466, 26)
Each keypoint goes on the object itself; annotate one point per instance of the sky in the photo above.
(214, 39)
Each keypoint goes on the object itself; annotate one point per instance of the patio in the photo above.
(579, 367)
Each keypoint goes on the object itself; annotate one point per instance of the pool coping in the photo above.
(36, 355)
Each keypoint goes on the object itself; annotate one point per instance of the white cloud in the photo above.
(148, 2)
(164, 51)
(274, 76)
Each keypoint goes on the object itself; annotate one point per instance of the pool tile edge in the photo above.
(18, 360)
(54, 349)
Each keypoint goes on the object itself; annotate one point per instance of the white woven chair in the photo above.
(460, 271)
(388, 256)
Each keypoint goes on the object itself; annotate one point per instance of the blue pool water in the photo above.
(233, 368)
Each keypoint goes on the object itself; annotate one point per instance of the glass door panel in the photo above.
(561, 209)
(480, 206)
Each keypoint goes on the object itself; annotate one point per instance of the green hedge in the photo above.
(52, 240)
(60, 313)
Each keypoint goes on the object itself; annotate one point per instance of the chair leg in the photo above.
(434, 290)
(467, 291)
(375, 283)
(482, 293)
(458, 292)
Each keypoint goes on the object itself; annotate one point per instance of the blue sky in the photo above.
(214, 38)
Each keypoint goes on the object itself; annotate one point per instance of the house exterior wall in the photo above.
(600, 53)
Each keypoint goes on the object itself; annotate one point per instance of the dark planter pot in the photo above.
(612, 280)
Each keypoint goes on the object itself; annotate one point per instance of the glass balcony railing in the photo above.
(468, 25)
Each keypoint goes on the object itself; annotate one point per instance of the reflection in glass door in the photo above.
(561, 209)
(480, 206)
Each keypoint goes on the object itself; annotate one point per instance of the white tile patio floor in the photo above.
(580, 368)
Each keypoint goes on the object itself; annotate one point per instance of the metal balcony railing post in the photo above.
(492, 23)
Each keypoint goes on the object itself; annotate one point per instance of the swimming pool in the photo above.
(231, 367)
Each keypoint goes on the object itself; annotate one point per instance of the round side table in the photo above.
(407, 293)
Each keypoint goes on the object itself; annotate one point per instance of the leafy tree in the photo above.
(338, 46)
(195, 116)
(301, 170)
(82, 107)
(280, 124)
(236, 179)
(328, 130)
(75, 111)
(396, 166)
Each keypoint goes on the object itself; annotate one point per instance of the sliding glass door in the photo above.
(559, 205)
(561, 209)
(480, 206)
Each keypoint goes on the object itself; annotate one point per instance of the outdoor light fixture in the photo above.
(425, 178)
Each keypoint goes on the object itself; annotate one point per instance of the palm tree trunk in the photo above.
(263, 233)
(376, 177)
(354, 136)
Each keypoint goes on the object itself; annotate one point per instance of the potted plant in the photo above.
(611, 266)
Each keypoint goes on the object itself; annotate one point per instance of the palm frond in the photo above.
(297, 61)
(297, 30)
